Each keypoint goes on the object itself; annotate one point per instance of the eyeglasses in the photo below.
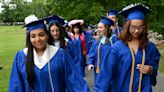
(140, 28)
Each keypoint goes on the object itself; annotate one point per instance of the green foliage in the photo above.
(89, 10)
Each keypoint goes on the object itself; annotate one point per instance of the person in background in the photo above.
(80, 40)
(116, 29)
(99, 47)
(131, 64)
(67, 29)
(42, 67)
(58, 36)
(96, 35)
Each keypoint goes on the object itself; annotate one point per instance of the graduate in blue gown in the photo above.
(68, 30)
(131, 64)
(100, 46)
(42, 67)
(116, 29)
(58, 35)
(80, 40)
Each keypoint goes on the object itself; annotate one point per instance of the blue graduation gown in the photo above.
(70, 49)
(114, 38)
(88, 40)
(93, 53)
(116, 32)
(116, 69)
(80, 61)
(65, 77)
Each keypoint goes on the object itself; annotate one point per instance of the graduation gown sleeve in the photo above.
(92, 53)
(155, 57)
(17, 82)
(70, 48)
(74, 81)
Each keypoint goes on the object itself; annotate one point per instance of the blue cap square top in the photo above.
(112, 13)
(38, 24)
(106, 21)
(134, 11)
(53, 19)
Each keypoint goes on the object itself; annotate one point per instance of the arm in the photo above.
(155, 57)
(92, 53)
(15, 82)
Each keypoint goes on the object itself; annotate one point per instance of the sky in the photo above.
(8, 1)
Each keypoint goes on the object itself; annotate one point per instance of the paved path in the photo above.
(160, 83)
(158, 88)
(161, 51)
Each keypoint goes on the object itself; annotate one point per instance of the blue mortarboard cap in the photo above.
(112, 13)
(54, 18)
(134, 11)
(106, 21)
(38, 24)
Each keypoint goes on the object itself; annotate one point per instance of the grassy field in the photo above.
(161, 63)
(12, 39)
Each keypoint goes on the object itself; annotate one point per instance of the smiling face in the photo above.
(136, 28)
(38, 39)
(101, 28)
(55, 32)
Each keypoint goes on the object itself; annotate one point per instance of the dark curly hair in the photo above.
(77, 26)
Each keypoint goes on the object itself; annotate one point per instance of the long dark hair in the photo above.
(125, 35)
(108, 31)
(30, 61)
(62, 34)
(77, 26)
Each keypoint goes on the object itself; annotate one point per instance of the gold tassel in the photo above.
(143, 61)
(98, 63)
(98, 69)
(132, 71)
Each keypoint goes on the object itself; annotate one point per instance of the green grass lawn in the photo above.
(12, 39)
(161, 63)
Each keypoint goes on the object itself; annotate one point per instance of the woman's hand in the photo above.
(145, 69)
(90, 67)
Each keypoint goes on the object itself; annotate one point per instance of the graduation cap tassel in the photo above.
(132, 69)
(98, 69)
(143, 61)
(98, 63)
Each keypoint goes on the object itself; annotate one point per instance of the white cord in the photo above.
(49, 71)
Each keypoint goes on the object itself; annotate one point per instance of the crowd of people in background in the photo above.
(57, 53)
